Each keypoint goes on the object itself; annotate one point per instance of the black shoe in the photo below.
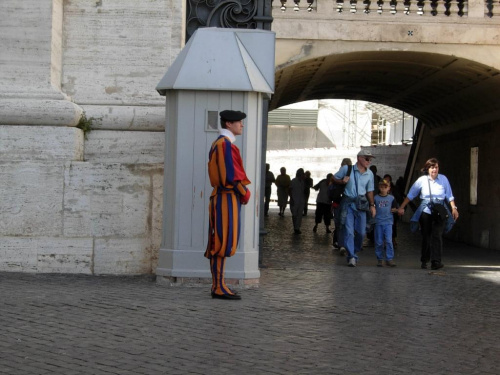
(423, 265)
(328, 230)
(436, 265)
(297, 231)
(226, 296)
(315, 228)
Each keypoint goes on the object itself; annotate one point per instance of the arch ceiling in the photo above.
(443, 91)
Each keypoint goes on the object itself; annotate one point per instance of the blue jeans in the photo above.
(354, 231)
(384, 233)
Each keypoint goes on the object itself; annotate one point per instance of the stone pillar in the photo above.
(30, 78)
(38, 142)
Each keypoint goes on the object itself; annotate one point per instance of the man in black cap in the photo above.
(229, 180)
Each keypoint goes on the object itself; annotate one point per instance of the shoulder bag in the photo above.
(362, 203)
(438, 210)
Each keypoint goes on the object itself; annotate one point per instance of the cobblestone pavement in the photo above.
(311, 315)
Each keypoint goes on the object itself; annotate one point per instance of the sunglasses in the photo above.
(368, 159)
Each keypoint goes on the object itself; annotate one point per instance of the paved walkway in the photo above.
(311, 315)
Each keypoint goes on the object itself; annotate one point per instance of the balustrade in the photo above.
(406, 7)
(257, 14)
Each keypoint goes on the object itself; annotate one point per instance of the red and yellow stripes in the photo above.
(224, 224)
(225, 167)
(217, 266)
(229, 180)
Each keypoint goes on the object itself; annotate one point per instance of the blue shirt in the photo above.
(364, 181)
(383, 206)
(440, 189)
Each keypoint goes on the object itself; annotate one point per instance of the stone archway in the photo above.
(457, 99)
(443, 91)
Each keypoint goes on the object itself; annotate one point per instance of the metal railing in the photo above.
(238, 14)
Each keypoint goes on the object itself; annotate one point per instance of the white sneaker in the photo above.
(352, 262)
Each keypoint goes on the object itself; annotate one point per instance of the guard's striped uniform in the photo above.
(229, 180)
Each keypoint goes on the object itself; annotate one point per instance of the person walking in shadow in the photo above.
(283, 185)
(336, 196)
(323, 204)
(297, 200)
(270, 180)
(308, 184)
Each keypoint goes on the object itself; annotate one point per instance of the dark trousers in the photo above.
(338, 234)
(306, 196)
(267, 199)
(323, 212)
(432, 238)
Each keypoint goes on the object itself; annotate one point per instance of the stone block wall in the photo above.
(72, 203)
(63, 214)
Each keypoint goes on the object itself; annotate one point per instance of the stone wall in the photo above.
(93, 205)
(71, 202)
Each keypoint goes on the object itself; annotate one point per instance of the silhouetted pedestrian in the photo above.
(323, 204)
(268, 186)
(283, 185)
(308, 184)
(297, 199)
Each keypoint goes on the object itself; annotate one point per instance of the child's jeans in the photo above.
(384, 233)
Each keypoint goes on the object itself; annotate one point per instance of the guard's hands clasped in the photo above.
(245, 198)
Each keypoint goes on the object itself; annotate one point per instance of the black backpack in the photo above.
(336, 191)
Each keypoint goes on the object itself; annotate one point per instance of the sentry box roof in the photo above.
(223, 59)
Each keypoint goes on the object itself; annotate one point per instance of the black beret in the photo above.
(229, 115)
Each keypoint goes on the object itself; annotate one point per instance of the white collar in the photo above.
(228, 134)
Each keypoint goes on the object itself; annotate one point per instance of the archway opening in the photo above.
(457, 101)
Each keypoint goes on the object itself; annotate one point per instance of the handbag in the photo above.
(361, 201)
(438, 210)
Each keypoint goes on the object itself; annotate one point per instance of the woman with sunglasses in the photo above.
(433, 189)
